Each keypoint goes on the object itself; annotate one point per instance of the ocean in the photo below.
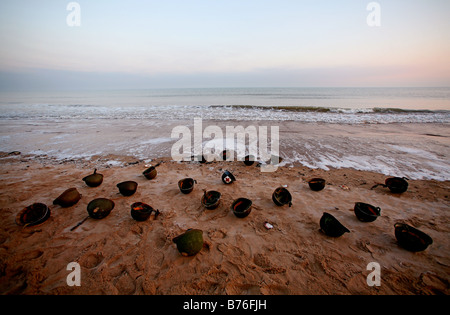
(331, 105)
(396, 131)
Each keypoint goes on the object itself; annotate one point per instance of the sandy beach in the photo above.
(356, 94)
(119, 255)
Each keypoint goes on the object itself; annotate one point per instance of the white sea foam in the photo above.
(155, 141)
(250, 113)
(415, 151)
(369, 155)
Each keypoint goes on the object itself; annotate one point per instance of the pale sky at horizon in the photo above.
(203, 43)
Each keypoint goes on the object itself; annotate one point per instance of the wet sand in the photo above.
(417, 151)
(119, 255)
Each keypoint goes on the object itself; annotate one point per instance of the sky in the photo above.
(223, 43)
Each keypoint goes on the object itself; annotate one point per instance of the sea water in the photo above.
(363, 128)
(335, 105)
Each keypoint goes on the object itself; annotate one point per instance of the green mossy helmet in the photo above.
(189, 243)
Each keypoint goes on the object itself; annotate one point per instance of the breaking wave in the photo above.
(304, 114)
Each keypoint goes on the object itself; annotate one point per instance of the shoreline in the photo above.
(118, 255)
(417, 151)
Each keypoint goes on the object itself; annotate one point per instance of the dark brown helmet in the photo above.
(397, 185)
(68, 198)
(150, 173)
(411, 238)
(331, 226)
(249, 160)
(141, 211)
(127, 188)
(317, 184)
(93, 180)
(186, 185)
(100, 208)
(211, 199)
(33, 215)
(241, 207)
(281, 196)
(366, 212)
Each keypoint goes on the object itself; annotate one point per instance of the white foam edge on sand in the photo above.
(378, 164)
